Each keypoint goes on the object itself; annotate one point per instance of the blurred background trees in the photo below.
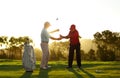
(108, 44)
(11, 48)
(105, 48)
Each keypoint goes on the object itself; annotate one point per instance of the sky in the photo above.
(27, 17)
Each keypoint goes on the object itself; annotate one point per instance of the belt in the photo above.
(44, 41)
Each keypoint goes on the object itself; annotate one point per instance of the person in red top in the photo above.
(74, 45)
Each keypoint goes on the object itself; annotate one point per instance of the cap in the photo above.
(47, 23)
(72, 27)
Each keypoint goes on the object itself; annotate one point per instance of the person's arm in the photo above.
(66, 37)
(53, 38)
(56, 30)
(80, 36)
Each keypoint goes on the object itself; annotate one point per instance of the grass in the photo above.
(13, 69)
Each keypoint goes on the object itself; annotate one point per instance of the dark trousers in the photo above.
(71, 55)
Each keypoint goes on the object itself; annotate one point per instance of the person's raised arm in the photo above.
(56, 30)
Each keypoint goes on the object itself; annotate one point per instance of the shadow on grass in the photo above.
(76, 73)
(10, 67)
(91, 65)
(56, 66)
(26, 75)
(95, 64)
(44, 73)
(90, 75)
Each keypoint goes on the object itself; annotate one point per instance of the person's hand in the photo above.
(61, 36)
(80, 37)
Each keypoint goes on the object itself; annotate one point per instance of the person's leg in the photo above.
(78, 55)
(45, 54)
(71, 56)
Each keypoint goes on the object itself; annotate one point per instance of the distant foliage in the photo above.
(59, 50)
(108, 45)
(12, 47)
(108, 48)
(91, 55)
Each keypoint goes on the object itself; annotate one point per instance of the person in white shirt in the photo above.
(44, 45)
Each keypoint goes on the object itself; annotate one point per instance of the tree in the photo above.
(59, 50)
(107, 46)
(3, 40)
(15, 46)
(3, 43)
(91, 54)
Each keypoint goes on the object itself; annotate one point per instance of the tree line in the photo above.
(11, 48)
(107, 43)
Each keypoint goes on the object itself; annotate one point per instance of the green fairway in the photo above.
(13, 69)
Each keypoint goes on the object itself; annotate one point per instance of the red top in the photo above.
(74, 37)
